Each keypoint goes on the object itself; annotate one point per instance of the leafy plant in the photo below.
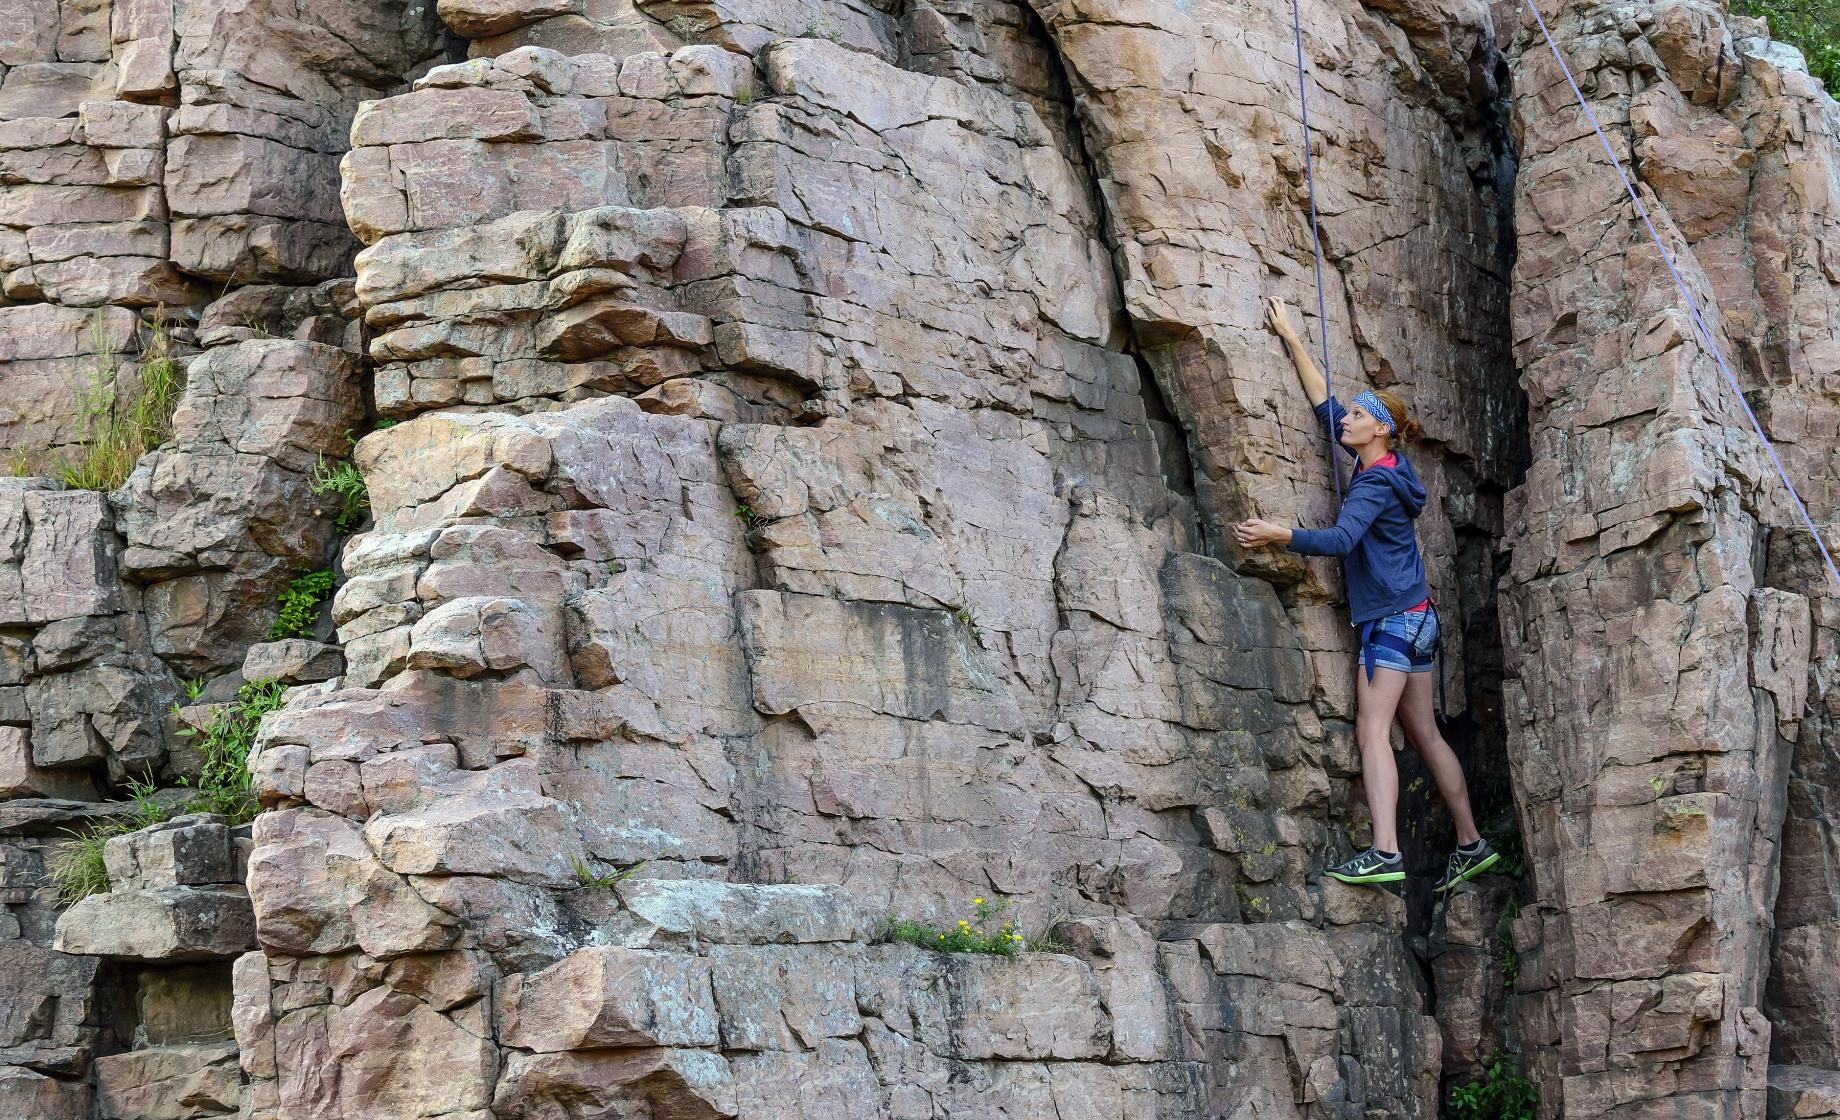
(590, 879)
(78, 870)
(971, 935)
(1501, 1093)
(194, 688)
(117, 428)
(969, 622)
(384, 422)
(747, 515)
(1512, 850)
(300, 602)
(1811, 26)
(223, 784)
(341, 478)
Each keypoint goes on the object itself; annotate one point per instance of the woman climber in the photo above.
(1391, 603)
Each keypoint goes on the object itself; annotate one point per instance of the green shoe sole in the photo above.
(1377, 877)
(1471, 873)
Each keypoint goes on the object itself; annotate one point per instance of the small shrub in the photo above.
(1501, 1093)
(116, 429)
(77, 870)
(342, 479)
(971, 935)
(223, 784)
(300, 604)
(589, 879)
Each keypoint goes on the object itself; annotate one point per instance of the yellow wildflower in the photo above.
(977, 902)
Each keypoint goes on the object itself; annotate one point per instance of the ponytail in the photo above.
(1405, 429)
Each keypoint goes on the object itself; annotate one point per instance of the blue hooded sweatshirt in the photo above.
(1374, 535)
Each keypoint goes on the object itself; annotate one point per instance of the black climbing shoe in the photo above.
(1369, 867)
(1467, 865)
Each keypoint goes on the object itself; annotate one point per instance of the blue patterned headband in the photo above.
(1371, 403)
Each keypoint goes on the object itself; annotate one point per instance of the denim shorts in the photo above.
(1406, 641)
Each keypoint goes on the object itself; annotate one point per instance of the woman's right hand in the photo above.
(1278, 318)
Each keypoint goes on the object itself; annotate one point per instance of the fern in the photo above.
(342, 480)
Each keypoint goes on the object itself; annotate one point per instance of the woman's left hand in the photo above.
(1255, 533)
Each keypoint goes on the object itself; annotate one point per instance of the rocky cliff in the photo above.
(798, 441)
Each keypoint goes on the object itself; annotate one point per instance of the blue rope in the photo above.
(1322, 313)
(1686, 294)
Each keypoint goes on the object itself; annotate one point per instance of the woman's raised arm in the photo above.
(1278, 317)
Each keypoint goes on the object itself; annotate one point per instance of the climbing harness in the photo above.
(1699, 321)
(1309, 178)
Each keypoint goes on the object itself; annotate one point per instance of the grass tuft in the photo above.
(119, 426)
(77, 870)
(589, 879)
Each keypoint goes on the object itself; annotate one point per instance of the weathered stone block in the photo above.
(293, 660)
(189, 850)
(167, 924)
(602, 997)
(25, 1093)
(1035, 1006)
(690, 1084)
(690, 911)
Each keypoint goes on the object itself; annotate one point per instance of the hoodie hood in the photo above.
(1405, 483)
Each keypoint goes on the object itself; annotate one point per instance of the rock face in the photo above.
(1668, 625)
(800, 439)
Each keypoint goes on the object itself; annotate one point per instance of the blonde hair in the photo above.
(1405, 429)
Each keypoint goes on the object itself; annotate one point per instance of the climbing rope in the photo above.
(1699, 321)
(1309, 178)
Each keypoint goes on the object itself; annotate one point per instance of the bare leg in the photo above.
(1419, 718)
(1375, 703)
